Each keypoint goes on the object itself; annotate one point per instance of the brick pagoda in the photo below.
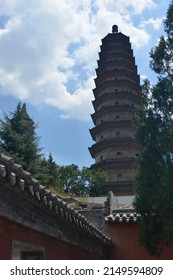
(117, 95)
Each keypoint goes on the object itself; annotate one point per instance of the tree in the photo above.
(83, 182)
(89, 182)
(155, 173)
(68, 176)
(154, 132)
(97, 180)
(18, 139)
(49, 170)
(162, 54)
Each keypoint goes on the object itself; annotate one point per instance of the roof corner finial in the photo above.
(114, 28)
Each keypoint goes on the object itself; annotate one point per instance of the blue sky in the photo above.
(48, 53)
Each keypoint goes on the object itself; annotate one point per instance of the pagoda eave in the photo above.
(116, 94)
(116, 83)
(109, 143)
(115, 36)
(108, 164)
(105, 126)
(116, 72)
(115, 108)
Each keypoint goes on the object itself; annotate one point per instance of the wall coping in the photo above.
(15, 176)
(123, 217)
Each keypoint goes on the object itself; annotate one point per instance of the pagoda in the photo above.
(117, 95)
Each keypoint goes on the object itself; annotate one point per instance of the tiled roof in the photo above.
(123, 217)
(17, 177)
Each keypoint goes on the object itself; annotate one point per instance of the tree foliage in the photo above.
(162, 54)
(154, 181)
(49, 172)
(18, 138)
(82, 182)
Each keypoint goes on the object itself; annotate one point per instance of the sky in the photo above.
(48, 56)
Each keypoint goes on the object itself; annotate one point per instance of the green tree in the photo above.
(68, 175)
(162, 54)
(89, 182)
(154, 181)
(155, 174)
(96, 182)
(49, 170)
(83, 182)
(18, 139)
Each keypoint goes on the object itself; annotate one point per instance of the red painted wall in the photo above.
(126, 245)
(54, 249)
(124, 237)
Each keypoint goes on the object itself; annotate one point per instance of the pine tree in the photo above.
(154, 182)
(18, 139)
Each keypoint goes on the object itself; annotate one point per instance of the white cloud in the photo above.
(125, 6)
(37, 59)
(155, 23)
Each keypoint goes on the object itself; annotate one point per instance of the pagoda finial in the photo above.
(114, 28)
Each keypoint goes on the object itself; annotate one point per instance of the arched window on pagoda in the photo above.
(101, 158)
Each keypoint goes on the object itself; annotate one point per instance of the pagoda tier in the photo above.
(118, 181)
(118, 186)
(117, 95)
(114, 147)
(117, 98)
(113, 112)
(116, 84)
(114, 65)
(112, 128)
(109, 75)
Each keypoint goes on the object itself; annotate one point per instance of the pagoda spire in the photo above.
(114, 28)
